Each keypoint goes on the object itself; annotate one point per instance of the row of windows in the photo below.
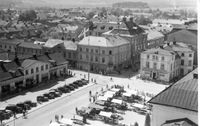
(162, 66)
(37, 69)
(6, 46)
(31, 50)
(96, 51)
(96, 59)
(154, 57)
(182, 54)
(189, 63)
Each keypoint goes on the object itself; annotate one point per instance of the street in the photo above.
(66, 104)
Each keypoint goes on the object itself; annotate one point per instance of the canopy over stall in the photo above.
(105, 114)
(138, 105)
(133, 92)
(66, 121)
(127, 94)
(95, 106)
(55, 124)
(117, 101)
(114, 89)
(102, 98)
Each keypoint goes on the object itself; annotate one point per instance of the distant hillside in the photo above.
(130, 5)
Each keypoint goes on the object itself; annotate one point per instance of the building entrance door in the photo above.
(154, 75)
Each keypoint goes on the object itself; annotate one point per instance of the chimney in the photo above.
(195, 76)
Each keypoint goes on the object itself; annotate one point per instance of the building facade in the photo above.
(103, 54)
(166, 62)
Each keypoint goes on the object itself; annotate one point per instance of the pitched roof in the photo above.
(153, 34)
(180, 121)
(30, 45)
(11, 41)
(109, 41)
(184, 36)
(28, 62)
(178, 47)
(160, 51)
(70, 45)
(182, 95)
(53, 42)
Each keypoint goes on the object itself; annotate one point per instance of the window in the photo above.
(96, 50)
(96, 58)
(153, 57)
(37, 69)
(80, 49)
(147, 56)
(110, 52)
(69, 56)
(80, 56)
(155, 65)
(91, 50)
(91, 58)
(47, 66)
(182, 62)
(103, 60)
(162, 67)
(42, 68)
(190, 63)
(147, 64)
(190, 55)
(103, 51)
(32, 71)
(87, 50)
(163, 58)
(26, 72)
(87, 57)
(5, 46)
(182, 54)
(110, 28)
(102, 27)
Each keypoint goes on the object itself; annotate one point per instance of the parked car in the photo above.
(55, 93)
(70, 87)
(30, 103)
(5, 114)
(74, 85)
(23, 106)
(84, 81)
(56, 90)
(14, 108)
(64, 89)
(49, 95)
(42, 99)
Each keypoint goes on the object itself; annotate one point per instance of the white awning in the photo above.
(55, 124)
(117, 101)
(102, 98)
(131, 91)
(105, 114)
(127, 94)
(138, 105)
(114, 89)
(66, 121)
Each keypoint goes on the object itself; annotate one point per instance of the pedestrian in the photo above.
(95, 81)
(76, 110)
(24, 113)
(84, 76)
(90, 93)
(62, 116)
(50, 121)
(90, 99)
(92, 79)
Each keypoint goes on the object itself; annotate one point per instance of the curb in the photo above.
(51, 102)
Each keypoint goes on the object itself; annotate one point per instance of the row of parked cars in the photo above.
(54, 93)
(13, 109)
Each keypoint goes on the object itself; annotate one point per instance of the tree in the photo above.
(136, 124)
(147, 120)
(29, 15)
(90, 15)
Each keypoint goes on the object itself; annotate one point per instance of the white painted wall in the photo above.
(162, 113)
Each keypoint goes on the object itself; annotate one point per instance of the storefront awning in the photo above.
(127, 94)
(105, 114)
(117, 101)
(66, 121)
(95, 106)
(138, 105)
(114, 89)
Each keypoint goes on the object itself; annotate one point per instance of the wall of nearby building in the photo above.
(171, 68)
(162, 113)
(153, 43)
(8, 46)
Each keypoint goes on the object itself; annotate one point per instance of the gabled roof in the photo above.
(30, 45)
(109, 41)
(177, 46)
(70, 45)
(159, 51)
(52, 43)
(153, 34)
(180, 121)
(182, 95)
(28, 62)
(184, 36)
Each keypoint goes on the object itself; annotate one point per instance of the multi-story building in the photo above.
(166, 62)
(136, 37)
(22, 73)
(29, 48)
(177, 105)
(103, 54)
(9, 44)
